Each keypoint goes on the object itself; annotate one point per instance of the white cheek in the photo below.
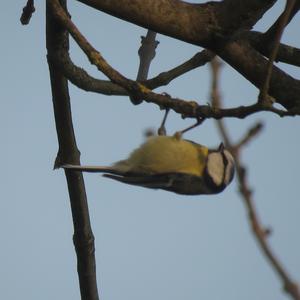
(215, 168)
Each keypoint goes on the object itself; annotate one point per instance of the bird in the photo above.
(173, 164)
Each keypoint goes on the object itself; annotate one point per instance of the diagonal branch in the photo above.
(215, 26)
(27, 12)
(79, 77)
(252, 65)
(164, 78)
(257, 228)
(198, 24)
(187, 109)
(263, 95)
(83, 238)
(287, 54)
(291, 9)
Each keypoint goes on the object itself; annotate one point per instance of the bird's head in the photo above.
(219, 170)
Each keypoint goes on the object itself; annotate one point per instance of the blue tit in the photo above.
(172, 164)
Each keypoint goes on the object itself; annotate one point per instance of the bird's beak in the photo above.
(221, 147)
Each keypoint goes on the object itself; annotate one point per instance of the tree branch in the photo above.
(257, 228)
(57, 38)
(164, 78)
(292, 8)
(186, 109)
(263, 42)
(252, 65)
(28, 10)
(146, 54)
(286, 53)
(250, 134)
(213, 25)
(263, 95)
(79, 77)
(194, 23)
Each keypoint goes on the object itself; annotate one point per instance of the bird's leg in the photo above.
(162, 129)
(199, 121)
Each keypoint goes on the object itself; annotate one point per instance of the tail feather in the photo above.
(93, 169)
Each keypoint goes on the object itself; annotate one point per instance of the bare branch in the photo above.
(164, 78)
(79, 77)
(187, 109)
(194, 23)
(285, 17)
(286, 53)
(28, 10)
(146, 54)
(83, 238)
(263, 95)
(260, 233)
(250, 134)
(251, 64)
(213, 25)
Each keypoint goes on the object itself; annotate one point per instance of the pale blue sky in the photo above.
(149, 244)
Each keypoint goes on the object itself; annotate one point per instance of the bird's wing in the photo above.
(179, 183)
(149, 181)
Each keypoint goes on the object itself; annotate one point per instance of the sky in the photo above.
(149, 244)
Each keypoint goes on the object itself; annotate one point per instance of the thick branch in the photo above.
(187, 109)
(286, 53)
(212, 25)
(252, 65)
(194, 23)
(270, 34)
(57, 38)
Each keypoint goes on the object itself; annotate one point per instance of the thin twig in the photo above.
(251, 133)
(263, 95)
(164, 78)
(271, 33)
(28, 10)
(260, 233)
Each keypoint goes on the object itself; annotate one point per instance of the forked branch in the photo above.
(185, 108)
(259, 232)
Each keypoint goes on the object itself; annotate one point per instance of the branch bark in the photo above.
(197, 24)
(214, 25)
(185, 108)
(57, 38)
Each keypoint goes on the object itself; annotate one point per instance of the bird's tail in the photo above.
(93, 169)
